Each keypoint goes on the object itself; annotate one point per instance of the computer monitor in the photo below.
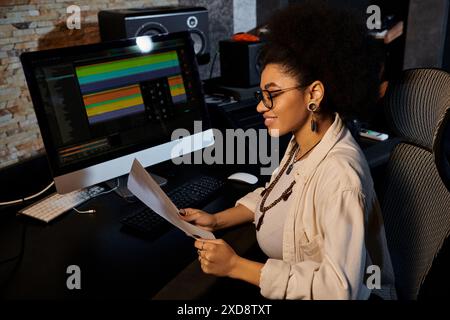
(100, 106)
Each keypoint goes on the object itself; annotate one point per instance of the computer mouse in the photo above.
(243, 177)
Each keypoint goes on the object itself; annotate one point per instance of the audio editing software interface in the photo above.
(117, 100)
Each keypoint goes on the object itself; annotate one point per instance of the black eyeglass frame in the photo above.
(259, 95)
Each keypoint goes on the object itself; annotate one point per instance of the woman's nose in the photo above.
(261, 108)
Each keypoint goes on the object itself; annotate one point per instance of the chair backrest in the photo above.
(416, 198)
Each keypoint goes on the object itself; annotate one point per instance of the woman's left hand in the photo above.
(216, 257)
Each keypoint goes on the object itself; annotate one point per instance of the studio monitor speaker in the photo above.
(239, 63)
(130, 23)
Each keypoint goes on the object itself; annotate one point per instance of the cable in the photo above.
(212, 64)
(19, 256)
(90, 211)
(110, 190)
(84, 211)
(27, 198)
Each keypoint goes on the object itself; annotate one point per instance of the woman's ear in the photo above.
(316, 92)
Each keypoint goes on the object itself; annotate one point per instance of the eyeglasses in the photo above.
(267, 96)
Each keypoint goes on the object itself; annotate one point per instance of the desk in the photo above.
(113, 263)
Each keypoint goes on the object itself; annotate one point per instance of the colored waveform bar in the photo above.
(83, 148)
(177, 90)
(110, 104)
(125, 72)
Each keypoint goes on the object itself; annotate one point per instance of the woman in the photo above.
(318, 218)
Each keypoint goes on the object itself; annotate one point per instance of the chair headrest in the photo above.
(418, 107)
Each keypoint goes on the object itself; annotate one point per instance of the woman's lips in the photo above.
(269, 121)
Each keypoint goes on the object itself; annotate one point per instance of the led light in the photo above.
(144, 43)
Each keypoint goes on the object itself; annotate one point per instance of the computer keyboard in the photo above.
(56, 204)
(190, 194)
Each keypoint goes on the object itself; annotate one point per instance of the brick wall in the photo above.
(29, 25)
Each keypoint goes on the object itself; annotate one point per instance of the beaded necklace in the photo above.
(286, 193)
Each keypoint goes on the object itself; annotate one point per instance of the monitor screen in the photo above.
(99, 102)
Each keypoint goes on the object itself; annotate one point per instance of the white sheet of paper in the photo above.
(145, 188)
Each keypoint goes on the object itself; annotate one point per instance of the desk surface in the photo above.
(114, 263)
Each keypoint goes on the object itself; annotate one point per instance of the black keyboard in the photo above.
(190, 194)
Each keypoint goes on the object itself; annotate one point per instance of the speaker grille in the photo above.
(135, 22)
(151, 29)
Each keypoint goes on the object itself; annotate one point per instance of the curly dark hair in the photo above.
(313, 41)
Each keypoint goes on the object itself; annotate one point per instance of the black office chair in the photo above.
(416, 198)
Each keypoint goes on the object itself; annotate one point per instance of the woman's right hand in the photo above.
(199, 218)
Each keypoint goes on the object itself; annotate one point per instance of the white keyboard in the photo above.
(56, 204)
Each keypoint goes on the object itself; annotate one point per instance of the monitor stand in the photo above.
(123, 191)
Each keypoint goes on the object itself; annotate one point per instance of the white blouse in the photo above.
(270, 235)
(332, 232)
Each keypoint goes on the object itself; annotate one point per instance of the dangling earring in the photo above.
(312, 107)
